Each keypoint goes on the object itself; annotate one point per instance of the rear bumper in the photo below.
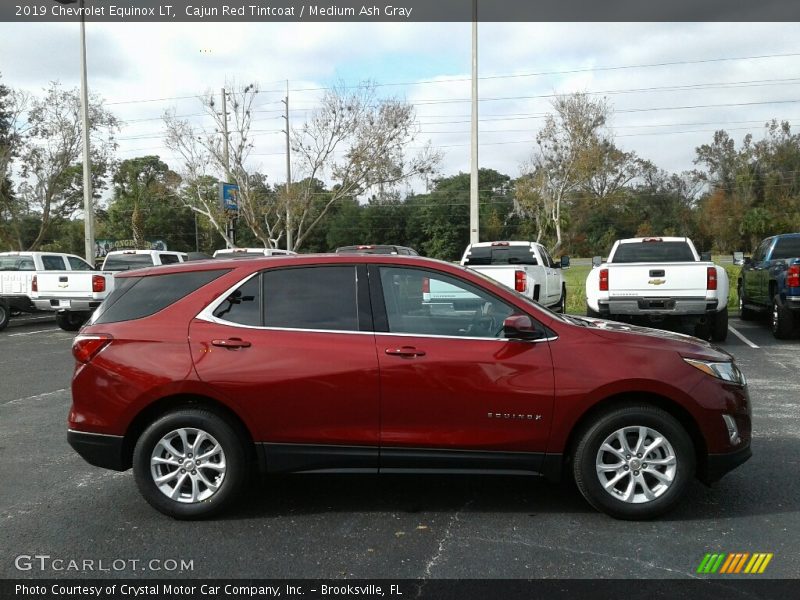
(99, 449)
(77, 305)
(717, 465)
(659, 305)
(792, 303)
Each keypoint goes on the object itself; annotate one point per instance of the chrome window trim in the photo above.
(207, 315)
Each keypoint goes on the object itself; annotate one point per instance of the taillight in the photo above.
(711, 278)
(34, 284)
(426, 285)
(603, 280)
(793, 276)
(520, 281)
(85, 347)
(98, 283)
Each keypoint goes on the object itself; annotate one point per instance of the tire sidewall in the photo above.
(235, 459)
(586, 454)
(5, 316)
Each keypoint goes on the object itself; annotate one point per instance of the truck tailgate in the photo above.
(72, 284)
(663, 279)
(501, 273)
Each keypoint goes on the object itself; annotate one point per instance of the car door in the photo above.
(553, 279)
(454, 393)
(759, 275)
(293, 348)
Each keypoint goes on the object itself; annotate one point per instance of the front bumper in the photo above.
(99, 449)
(717, 465)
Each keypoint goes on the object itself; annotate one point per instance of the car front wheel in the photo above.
(190, 464)
(634, 462)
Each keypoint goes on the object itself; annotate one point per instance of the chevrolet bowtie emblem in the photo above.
(63, 285)
(657, 281)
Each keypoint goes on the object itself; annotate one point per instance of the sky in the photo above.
(726, 76)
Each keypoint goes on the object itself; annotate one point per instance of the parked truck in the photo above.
(18, 271)
(522, 266)
(769, 283)
(75, 296)
(656, 278)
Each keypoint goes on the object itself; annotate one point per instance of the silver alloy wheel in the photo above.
(636, 464)
(188, 465)
(775, 316)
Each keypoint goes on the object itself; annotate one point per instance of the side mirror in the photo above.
(520, 327)
(597, 261)
(705, 256)
(738, 258)
(565, 262)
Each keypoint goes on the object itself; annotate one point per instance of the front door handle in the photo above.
(231, 343)
(408, 351)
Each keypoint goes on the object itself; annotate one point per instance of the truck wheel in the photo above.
(70, 321)
(719, 326)
(782, 319)
(634, 462)
(5, 315)
(562, 303)
(746, 314)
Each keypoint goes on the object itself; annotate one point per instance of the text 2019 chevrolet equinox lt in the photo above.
(193, 374)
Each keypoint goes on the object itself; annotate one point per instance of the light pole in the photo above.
(473, 179)
(88, 208)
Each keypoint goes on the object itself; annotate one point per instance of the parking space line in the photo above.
(31, 332)
(741, 337)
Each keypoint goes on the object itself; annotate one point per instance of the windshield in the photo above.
(500, 255)
(653, 252)
(126, 262)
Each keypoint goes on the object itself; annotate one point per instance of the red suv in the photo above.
(194, 373)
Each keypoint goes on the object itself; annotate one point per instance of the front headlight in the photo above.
(727, 371)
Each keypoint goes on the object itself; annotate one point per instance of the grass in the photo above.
(575, 278)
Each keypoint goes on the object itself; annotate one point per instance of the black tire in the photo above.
(70, 321)
(5, 315)
(235, 458)
(746, 314)
(590, 312)
(719, 326)
(594, 435)
(782, 319)
(562, 303)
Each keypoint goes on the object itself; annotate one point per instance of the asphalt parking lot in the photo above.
(54, 504)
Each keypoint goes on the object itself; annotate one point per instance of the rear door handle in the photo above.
(231, 343)
(408, 351)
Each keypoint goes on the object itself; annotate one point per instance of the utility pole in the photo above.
(227, 160)
(473, 180)
(288, 173)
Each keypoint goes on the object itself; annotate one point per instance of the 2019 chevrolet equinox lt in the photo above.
(193, 374)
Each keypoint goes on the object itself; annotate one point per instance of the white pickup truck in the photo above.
(659, 277)
(522, 266)
(75, 296)
(18, 271)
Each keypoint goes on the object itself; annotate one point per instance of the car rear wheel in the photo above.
(190, 464)
(634, 462)
(590, 312)
(782, 319)
(562, 303)
(70, 321)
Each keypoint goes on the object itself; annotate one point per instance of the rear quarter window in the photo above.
(139, 297)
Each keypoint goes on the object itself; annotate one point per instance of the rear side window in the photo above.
(786, 248)
(653, 252)
(53, 263)
(311, 298)
(138, 297)
(126, 262)
(243, 306)
(500, 255)
(16, 263)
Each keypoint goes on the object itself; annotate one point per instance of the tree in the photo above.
(51, 176)
(12, 106)
(562, 159)
(358, 141)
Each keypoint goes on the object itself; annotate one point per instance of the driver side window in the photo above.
(429, 303)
